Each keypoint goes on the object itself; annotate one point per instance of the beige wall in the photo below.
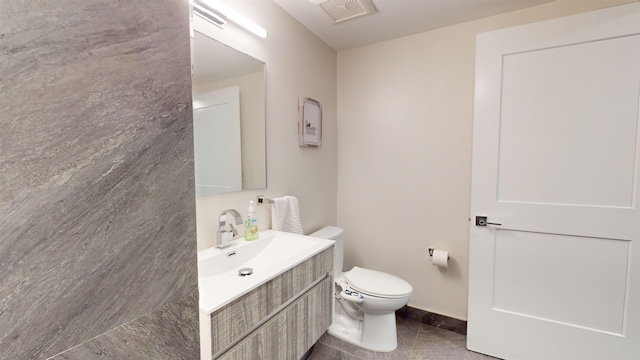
(297, 64)
(405, 112)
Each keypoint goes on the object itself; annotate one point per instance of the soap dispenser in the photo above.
(251, 224)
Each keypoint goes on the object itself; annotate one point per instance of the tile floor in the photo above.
(419, 338)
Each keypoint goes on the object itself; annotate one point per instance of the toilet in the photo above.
(365, 301)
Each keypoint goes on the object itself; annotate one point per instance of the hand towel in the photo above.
(285, 215)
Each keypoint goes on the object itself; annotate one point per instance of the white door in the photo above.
(555, 163)
(217, 141)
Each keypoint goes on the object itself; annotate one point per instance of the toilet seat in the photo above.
(377, 283)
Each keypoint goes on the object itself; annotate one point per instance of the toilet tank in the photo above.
(333, 233)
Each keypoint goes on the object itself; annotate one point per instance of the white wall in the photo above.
(297, 64)
(405, 112)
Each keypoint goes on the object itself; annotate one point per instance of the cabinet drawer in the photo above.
(293, 281)
(237, 318)
(291, 333)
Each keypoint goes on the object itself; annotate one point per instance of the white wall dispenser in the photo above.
(309, 122)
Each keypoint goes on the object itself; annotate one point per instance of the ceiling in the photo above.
(395, 18)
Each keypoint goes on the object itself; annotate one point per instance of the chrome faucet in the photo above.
(224, 235)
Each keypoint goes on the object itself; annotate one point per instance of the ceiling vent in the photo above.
(342, 10)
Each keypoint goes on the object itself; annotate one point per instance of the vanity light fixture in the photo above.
(209, 14)
(218, 12)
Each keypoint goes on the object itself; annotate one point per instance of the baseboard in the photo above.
(433, 319)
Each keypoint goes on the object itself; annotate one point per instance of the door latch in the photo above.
(482, 221)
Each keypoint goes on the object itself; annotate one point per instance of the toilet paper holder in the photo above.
(431, 250)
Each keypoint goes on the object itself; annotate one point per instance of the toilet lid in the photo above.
(377, 283)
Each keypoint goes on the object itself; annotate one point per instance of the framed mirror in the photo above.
(228, 118)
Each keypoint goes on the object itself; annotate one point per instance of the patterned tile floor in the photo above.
(419, 338)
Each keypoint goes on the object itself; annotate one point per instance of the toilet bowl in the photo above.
(365, 301)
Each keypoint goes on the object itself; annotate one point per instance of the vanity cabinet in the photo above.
(281, 319)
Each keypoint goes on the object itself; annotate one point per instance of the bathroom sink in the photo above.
(273, 253)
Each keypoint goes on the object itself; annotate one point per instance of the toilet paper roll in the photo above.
(441, 258)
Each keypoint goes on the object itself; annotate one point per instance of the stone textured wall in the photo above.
(97, 214)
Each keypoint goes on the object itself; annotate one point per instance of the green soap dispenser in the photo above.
(251, 224)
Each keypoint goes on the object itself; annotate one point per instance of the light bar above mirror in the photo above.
(218, 13)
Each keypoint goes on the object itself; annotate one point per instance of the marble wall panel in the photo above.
(170, 333)
(97, 214)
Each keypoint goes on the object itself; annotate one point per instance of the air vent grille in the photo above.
(342, 10)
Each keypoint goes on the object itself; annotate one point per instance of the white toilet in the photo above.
(366, 301)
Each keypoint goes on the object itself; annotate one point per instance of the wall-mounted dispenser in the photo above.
(310, 122)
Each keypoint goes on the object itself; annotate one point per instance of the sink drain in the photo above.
(245, 271)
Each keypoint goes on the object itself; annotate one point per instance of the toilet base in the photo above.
(374, 332)
(345, 333)
(379, 332)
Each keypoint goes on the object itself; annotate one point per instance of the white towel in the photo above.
(285, 215)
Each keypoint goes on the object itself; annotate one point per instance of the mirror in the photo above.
(228, 118)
